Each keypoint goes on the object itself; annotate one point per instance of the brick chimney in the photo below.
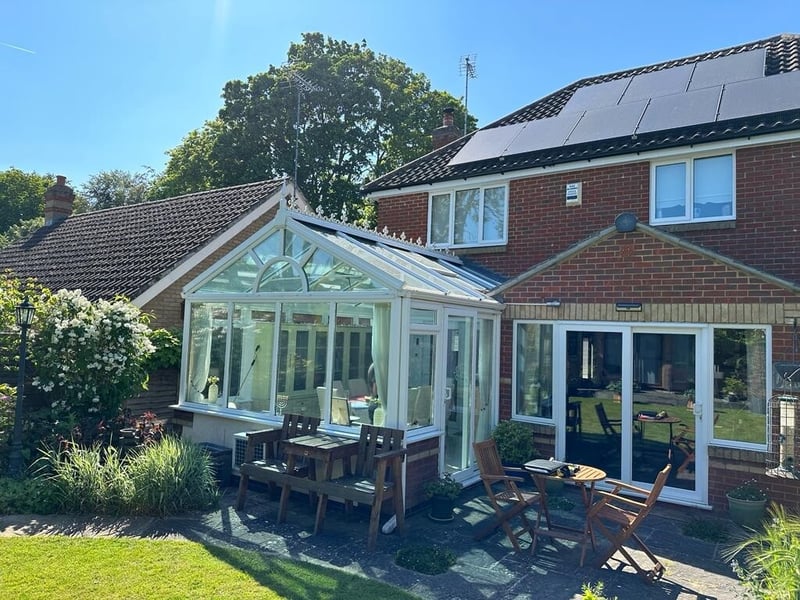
(448, 132)
(58, 201)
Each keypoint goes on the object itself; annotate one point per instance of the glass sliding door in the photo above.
(592, 407)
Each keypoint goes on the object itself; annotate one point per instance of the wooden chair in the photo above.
(617, 516)
(377, 477)
(609, 425)
(507, 500)
(683, 441)
(271, 469)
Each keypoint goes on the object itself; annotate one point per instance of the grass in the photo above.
(44, 567)
(710, 530)
(431, 560)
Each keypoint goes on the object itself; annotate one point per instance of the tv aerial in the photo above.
(467, 67)
(303, 85)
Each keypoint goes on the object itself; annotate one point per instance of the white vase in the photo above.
(213, 393)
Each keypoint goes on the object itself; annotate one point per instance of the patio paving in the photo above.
(485, 569)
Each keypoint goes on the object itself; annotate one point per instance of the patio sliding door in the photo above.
(629, 391)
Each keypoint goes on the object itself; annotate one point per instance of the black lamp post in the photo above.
(24, 316)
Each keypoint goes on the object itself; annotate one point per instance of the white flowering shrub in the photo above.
(90, 356)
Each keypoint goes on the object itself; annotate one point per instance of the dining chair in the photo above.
(684, 442)
(271, 469)
(618, 514)
(507, 500)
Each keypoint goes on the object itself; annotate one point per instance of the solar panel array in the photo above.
(723, 88)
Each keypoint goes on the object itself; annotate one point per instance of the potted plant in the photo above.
(442, 493)
(514, 443)
(747, 504)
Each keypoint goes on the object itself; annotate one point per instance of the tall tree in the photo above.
(21, 196)
(117, 188)
(361, 114)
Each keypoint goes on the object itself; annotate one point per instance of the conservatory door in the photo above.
(458, 393)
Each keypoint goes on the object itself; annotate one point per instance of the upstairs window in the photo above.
(468, 217)
(692, 190)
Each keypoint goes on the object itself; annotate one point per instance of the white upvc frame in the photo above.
(451, 194)
(689, 162)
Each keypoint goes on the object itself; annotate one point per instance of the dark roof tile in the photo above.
(127, 249)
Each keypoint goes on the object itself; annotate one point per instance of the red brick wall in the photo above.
(638, 267)
(541, 225)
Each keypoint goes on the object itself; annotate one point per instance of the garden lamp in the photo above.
(24, 314)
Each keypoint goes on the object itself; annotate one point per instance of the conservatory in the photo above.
(314, 316)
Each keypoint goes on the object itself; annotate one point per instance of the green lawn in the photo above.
(46, 567)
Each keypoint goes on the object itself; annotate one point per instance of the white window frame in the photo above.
(451, 193)
(689, 161)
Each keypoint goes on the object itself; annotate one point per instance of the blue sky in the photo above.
(91, 86)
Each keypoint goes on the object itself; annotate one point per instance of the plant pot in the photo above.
(441, 509)
(747, 513)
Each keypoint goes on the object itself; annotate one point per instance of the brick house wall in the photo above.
(541, 225)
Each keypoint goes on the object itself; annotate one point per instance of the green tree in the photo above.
(362, 114)
(108, 189)
(21, 196)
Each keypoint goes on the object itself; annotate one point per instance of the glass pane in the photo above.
(421, 316)
(352, 397)
(208, 336)
(268, 248)
(302, 327)
(294, 246)
(494, 214)
(663, 376)
(671, 191)
(421, 363)
(740, 385)
(466, 214)
(239, 277)
(251, 357)
(326, 274)
(534, 371)
(485, 383)
(440, 219)
(713, 187)
(281, 277)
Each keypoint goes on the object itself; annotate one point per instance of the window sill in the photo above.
(703, 226)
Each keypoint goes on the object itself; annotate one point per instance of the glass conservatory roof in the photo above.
(301, 253)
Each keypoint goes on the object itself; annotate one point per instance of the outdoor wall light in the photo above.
(628, 306)
(23, 314)
(555, 302)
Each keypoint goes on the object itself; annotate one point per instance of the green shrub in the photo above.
(27, 496)
(768, 561)
(431, 560)
(172, 476)
(88, 480)
(514, 442)
(156, 479)
(710, 530)
(594, 592)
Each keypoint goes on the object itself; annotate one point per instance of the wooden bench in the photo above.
(272, 468)
(377, 477)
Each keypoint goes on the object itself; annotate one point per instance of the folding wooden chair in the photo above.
(617, 517)
(684, 442)
(506, 498)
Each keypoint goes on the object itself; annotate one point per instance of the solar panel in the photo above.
(487, 143)
(727, 69)
(658, 83)
(606, 123)
(761, 96)
(544, 133)
(681, 110)
(607, 93)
